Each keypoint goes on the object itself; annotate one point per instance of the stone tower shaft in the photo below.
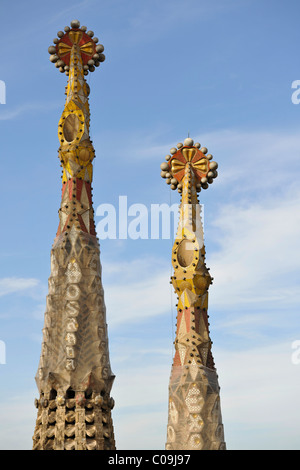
(194, 421)
(74, 376)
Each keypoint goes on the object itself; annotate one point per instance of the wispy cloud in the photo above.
(150, 22)
(258, 252)
(75, 8)
(9, 114)
(12, 285)
(136, 282)
(254, 385)
(17, 416)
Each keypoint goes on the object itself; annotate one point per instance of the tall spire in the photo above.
(194, 420)
(74, 376)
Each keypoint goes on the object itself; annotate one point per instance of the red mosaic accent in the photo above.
(70, 188)
(66, 224)
(176, 360)
(89, 191)
(82, 224)
(58, 230)
(92, 227)
(63, 189)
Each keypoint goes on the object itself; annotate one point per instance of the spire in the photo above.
(74, 376)
(195, 421)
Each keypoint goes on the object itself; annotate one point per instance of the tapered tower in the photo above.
(194, 420)
(74, 376)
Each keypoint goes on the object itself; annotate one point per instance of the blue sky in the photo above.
(221, 71)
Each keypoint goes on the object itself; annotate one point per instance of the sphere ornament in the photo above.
(197, 159)
(91, 53)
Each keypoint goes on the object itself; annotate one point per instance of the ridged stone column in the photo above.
(74, 376)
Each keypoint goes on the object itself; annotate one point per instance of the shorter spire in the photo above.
(195, 421)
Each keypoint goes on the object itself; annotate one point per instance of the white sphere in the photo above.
(90, 33)
(55, 40)
(99, 48)
(75, 24)
(52, 49)
(83, 28)
(164, 166)
(60, 34)
(173, 150)
(174, 181)
(173, 186)
(197, 145)
(168, 181)
(53, 58)
(213, 165)
(67, 29)
(209, 156)
(203, 150)
(163, 174)
(95, 39)
(168, 157)
(179, 145)
(188, 142)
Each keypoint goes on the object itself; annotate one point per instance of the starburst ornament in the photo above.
(200, 162)
(91, 52)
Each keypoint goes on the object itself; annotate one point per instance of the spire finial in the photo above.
(91, 53)
(204, 169)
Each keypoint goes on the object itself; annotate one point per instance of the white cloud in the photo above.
(11, 285)
(259, 390)
(17, 417)
(136, 290)
(259, 393)
(254, 161)
(9, 114)
(258, 256)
